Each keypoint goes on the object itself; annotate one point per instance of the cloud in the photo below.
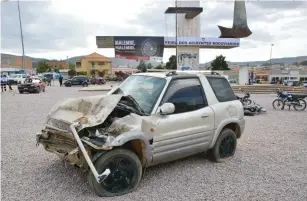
(54, 28)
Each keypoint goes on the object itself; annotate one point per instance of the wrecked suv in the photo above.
(150, 118)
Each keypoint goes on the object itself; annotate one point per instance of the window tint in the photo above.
(186, 94)
(222, 89)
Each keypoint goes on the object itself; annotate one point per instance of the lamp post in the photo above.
(21, 35)
(271, 54)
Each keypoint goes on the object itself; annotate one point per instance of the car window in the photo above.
(222, 89)
(186, 94)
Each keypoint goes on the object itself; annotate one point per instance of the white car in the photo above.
(149, 119)
(305, 84)
(17, 78)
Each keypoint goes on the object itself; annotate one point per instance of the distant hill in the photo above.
(285, 60)
(134, 64)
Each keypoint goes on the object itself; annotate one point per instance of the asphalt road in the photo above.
(270, 162)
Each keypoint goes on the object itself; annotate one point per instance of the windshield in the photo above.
(144, 89)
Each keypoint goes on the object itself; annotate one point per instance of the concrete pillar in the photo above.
(188, 57)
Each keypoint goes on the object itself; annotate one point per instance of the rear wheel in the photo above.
(225, 146)
(84, 84)
(21, 92)
(125, 176)
(300, 105)
(278, 104)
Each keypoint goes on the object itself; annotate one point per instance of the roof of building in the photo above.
(95, 55)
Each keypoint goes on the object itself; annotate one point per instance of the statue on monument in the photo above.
(239, 28)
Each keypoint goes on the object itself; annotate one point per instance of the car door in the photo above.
(189, 129)
(75, 81)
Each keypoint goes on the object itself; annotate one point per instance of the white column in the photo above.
(188, 56)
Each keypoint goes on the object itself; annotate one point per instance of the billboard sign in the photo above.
(139, 47)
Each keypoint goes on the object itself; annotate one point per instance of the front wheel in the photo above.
(248, 101)
(301, 105)
(125, 176)
(225, 146)
(278, 104)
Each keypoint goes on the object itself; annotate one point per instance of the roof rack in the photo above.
(171, 73)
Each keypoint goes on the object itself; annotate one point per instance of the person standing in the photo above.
(61, 80)
(3, 82)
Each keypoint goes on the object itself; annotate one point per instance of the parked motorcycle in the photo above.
(287, 99)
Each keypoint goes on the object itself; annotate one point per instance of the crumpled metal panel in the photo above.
(89, 111)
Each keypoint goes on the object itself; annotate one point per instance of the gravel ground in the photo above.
(270, 162)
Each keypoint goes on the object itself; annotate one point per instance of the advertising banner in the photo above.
(202, 42)
(139, 47)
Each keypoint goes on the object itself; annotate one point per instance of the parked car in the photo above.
(16, 78)
(77, 80)
(305, 84)
(150, 118)
(31, 85)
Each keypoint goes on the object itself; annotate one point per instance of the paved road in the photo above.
(270, 162)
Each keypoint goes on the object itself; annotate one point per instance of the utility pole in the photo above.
(176, 37)
(271, 54)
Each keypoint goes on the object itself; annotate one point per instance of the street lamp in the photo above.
(271, 54)
(21, 35)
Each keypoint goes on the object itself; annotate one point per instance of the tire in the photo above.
(229, 139)
(304, 105)
(248, 101)
(84, 84)
(38, 90)
(280, 102)
(104, 161)
(21, 92)
(44, 89)
(68, 85)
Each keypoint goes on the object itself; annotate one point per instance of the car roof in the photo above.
(155, 74)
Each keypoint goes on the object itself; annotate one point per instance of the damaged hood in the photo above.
(88, 111)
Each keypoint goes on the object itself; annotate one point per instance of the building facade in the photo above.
(94, 63)
(58, 64)
(12, 61)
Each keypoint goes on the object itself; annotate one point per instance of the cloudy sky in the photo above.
(60, 28)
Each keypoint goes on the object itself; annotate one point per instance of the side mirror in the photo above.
(167, 108)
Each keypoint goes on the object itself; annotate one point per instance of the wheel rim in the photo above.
(301, 105)
(227, 147)
(277, 104)
(121, 176)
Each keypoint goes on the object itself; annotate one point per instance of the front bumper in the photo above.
(242, 125)
(27, 88)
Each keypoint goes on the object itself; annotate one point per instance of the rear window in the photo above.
(222, 89)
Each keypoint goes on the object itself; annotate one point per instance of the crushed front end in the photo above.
(80, 130)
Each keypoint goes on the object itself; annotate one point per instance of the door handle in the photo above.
(204, 115)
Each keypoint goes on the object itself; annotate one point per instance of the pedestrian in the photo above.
(3, 82)
(60, 80)
(49, 81)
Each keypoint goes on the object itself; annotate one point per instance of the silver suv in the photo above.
(150, 118)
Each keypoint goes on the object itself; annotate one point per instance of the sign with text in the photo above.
(139, 47)
(202, 42)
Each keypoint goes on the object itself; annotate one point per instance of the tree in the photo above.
(72, 72)
(43, 67)
(101, 73)
(93, 72)
(149, 66)
(219, 63)
(71, 66)
(142, 66)
(171, 64)
(159, 67)
(304, 63)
